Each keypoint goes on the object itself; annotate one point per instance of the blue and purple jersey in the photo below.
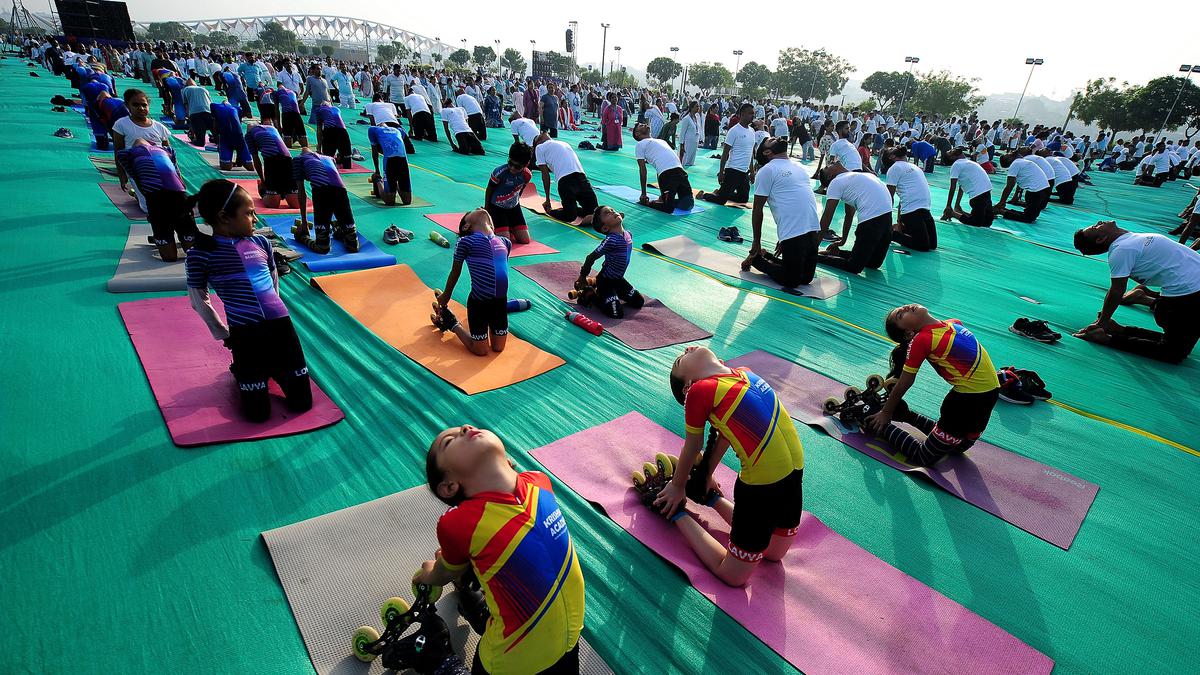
(319, 170)
(508, 186)
(233, 85)
(266, 141)
(239, 270)
(389, 140)
(487, 261)
(226, 119)
(152, 168)
(329, 117)
(616, 249)
(286, 99)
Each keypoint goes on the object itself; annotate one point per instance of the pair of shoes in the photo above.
(1034, 330)
(394, 235)
(730, 234)
(830, 235)
(349, 238)
(1021, 387)
(1032, 383)
(58, 108)
(356, 155)
(64, 132)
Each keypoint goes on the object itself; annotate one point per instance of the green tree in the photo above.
(561, 65)
(944, 93)
(512, 60)
(386, 53)
(888, 86)
(1104, 103)
(755, 78)
(436, 56)
(302, 49)
(277, 38)
(484, 56)
(254, 45)
(591, 77)
(218, 39)
(168, 30)
(622, 79)
(663, 69)
(402, 50)
(1148, 105)
(812, 74)
(869, 105)
(460, 57)
(328, 50)
(709, 76)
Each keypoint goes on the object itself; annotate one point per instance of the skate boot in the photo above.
(650, 480)
(349, 237)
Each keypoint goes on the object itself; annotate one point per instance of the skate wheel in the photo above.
(574, 295)
(638, 479)
(831, 405)
(363, 636)
(890, 384)
(852, 393)
(434, 592)
(874, 382)
(665, 465)
(651, 470)
(391, 609)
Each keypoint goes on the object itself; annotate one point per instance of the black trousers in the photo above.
(475, 121)
(1065, 192)
(1035, 202)
(917, 231)
(982, 213)
(578, 198)
(871, 241)
(1179, 317)
(468, 143)
(422, 126)
(335, 142)
(796, 263)
(269, 350)
(735, 188)
(676, 191)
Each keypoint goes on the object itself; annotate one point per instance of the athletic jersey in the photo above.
(746, 412)
(955, 354)
(390, 141)
(90, 91)
(152, 168)
(508, 186)
(227, 119)
(522, 554)
(328, 117)
(111, 110)
(487, 261)
(616, 248)
(286, 98)
(174, 84)
(316, 169)
(233, 85)
(266, 141)
(267, 97)
(239, 270)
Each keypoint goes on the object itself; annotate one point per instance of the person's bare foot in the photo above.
(1138, 296)
(1093, 334)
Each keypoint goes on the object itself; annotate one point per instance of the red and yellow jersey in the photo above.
(523, 556)
(746, 412)
(955, 354)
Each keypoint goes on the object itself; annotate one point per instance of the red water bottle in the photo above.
(585, 323)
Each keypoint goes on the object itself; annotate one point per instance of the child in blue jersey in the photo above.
(173, 85)
(612, 290)
(227, 128)
(332, 138)
(236, 93)
(90, 93)
(240, 267)
(391, 179)
(160, 187)
(503, 196)
(486, 256)
(291, 123)
(266, 105)
(273, 163)
(329, 200)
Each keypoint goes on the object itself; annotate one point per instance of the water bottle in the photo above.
(585, 323)
(518, 305)
(437, 238)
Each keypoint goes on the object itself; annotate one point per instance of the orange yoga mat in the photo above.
(395, 305)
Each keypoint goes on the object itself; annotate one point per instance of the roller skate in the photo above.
(471, 604)
(584, 294)
(650, 480)
(858, 404)
(697, 488)
(348, 236)
(422, 650)
(302, 233)
(442, 318)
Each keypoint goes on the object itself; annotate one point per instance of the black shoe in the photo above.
(830, 235)
(1032, 384)
(1034, 330)
(724, 235)
(1011, 389)
(282, 266)
(737, 236)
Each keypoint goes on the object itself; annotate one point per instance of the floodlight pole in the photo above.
(603, 49)
(911, 61)
(1185, 68)
(1032, 63)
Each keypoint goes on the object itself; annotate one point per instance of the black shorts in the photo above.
(487, 315)
(610, 287)
(168, 213)
(330, 203)
(277, 175)
(292, 124)
(395, 175)
(335, 141)
(268, 111)
(269, 350)
(505, 220)
(763, 511)
(964, 417)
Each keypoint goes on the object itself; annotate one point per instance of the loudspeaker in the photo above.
(95, 19)
(541, 64)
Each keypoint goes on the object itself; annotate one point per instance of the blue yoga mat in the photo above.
(633, 194)
(337, 259)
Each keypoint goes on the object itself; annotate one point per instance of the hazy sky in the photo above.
(1078, 41)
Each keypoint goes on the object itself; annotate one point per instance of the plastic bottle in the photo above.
(518, 305)
(437, 238)
(585, 323)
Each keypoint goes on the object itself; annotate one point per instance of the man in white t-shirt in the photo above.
(865, 196)
(1024, 174)
(462, 139)
(784, 186)
(967, 176)
(574, 189)
(914, 228)
(420, 123)
(675, 191)
(737, 159)
(1150, 260)
(1064, 180)
(843, 150)
(474, 113)
(381, 112)
(1155, 168)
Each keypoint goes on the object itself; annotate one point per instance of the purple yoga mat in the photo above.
(1045, 502)
(127, 205)
(828, 607)
(189, 375)
(654, 325)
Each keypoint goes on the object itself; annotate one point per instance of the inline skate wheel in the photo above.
(650, 470)
(874, 382)
(852, 393)
(831, 405)
(363, 636)
(434, 592)
(890, 384)
(665, 465)
(391, 608)
(639, 479)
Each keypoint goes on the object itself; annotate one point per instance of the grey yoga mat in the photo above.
(337, 569)
(140, 269)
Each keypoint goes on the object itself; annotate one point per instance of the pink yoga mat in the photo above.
(828, 607)
(650, 327)
(1045, 502)
(251, 185)
(183, 138)
(189, 375)
(127, 205)
(450, 222)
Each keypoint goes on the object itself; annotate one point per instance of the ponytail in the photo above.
(214, 196)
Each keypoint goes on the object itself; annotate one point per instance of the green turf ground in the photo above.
(123, 553)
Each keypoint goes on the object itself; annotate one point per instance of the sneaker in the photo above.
(1032, 384)
(830, 235)
(737, 236)
(64, 132)
(724, 234)
(1011, 389)
(390, 236)
(282, 266)
(356, 155)
(1034, 330)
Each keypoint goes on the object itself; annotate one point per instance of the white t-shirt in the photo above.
(779, 127)
(1067, 164)
(657, 153)
(1043, 165)
(971, 178)
(381, 111)
(394, 84)
(154, 134)
(525, 129)
(788, 190)
(416, 103)
(457, 119)
(863, 191)
(1029, 176)
(1061, 174)
(846, 154)
(469, 104)
(1161, 161)
(911, 186)
(559, 157)
(1155, 260)
(740, 140)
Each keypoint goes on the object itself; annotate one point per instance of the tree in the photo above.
(1104, 103)
(460, 57)
(387, 53)
(277, 38)
(402, 50)
(168, 31)
(436, 56)
(754, 78)
(218, 39)
(622, 78)
(944, 93)
(709, 76)
(888, 86)
(810, 74)
(328, 50)
(561, 65)
(301, 49)
(1149, 105)
(254, 45)
(591, 77)
(512, 60)
(866, 106)
(484, 56)
(663, 69)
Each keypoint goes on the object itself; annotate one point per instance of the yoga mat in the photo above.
(337, 569)
(395, 305)
(531, 200)
(633, 195)
(828, 607)
(654, 325)
(251, 185)
(362, 188)
(1048, 503)
(189, 375)
(125, 203)
(733, 205)
(338, 258)
(209, 146)
(140, 270)
(450, 221)
(105, 165)
(686, 250)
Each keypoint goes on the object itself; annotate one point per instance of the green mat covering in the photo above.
(160, 549)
